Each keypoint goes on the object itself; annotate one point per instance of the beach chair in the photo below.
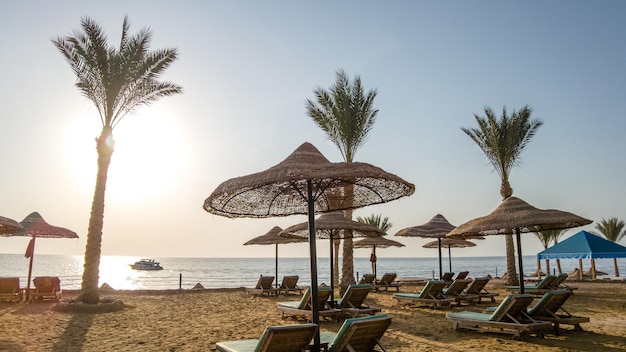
(358, 334)
(559, 282)
(456, 291)
(263, 286)
(290, 284)
(431, 295)
(550, 308)
(510, 317)
(303, 307)
(447, 277)
(285, 338)
(477, 287)
(538, 289)
(387, 281)
(352, 303)
(368, 279)
(462, 275)
(10, 289)
(46, 287)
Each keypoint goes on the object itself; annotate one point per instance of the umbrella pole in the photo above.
(313, 254)
(276, 256)
(30, 270)
(519, 259)
(449, 259)
(440, 267)
(332, 278)
(374, 262)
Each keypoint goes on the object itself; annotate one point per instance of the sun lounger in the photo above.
(263, 286)
(358, 334)
(10, 289)
(559, 282)
(509, 317)
(462, 275)
(303, 306)
(477, 287)
(368, 279)
(550, 308)
(289, 284)
(352, 303)
(456, 291)
(431, 294)
(386, 282)
(447, 277)
(286, 338)
(538, 289)
(46, 287)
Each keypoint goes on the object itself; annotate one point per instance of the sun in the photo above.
(149, 154)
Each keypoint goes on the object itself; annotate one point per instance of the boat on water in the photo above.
(146, 264)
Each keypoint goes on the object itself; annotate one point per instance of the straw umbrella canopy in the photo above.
(332, 226)
(373, 242)
(447, 242)
(514, 215)
(305, 183)
(437, 227)
(271, 237)
(9, 226)
(35, 226)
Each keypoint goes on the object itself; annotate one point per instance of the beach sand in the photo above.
(195, 320)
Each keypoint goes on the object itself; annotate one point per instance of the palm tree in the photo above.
(346, 113)
(611, 229)
(556, 235)
(545, 238)
(503, 140)
(117, 81)
(376, 220)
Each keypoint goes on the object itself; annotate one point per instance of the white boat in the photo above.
(146, 264)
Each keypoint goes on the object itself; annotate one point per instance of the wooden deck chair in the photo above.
(290, 284)
(538, 289)
(46, 287)
(456, 291)
(358, 334)
(286, 338)
(10, 289)
(510, 317)
(477, 287)
(387, 281)
(431, 295)
(352, 303)
(550, 308)
(462, 275)
(303, 306)
(263, 286)
(368, 279)
(559, 283)
(447, 277)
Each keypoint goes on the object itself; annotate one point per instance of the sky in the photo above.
(247, 68)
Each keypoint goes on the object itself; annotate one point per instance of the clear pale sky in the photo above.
(247, 68)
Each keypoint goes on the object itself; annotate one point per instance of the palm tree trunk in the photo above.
(347, 269)
(547, 266)
(615, 267)
(336, 244)
(89, 287)
(511, 272)
(558, 265)
(538, 268)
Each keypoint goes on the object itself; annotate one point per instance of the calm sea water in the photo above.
(244, 272)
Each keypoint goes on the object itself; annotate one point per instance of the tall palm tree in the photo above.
(545, 238)
(376, 220)
(347, 114)
(117, 81)
(503, 141)
(556, 235)
(611, 229)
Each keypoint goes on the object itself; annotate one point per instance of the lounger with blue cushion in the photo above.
(431, 295)
(477, 287)
(303, 307)
(286, 338)
(538, 289)
(352, 303)
(358, 334)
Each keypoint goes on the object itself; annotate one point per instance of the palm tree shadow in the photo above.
(74, 336)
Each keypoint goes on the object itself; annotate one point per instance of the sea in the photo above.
(185, 273)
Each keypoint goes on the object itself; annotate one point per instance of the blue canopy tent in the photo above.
(584, 245)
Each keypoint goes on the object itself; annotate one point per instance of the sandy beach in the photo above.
(196, 320)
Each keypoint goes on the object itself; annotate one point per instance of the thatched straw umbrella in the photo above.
(374, 242)
(333, 225)
(449, 243)
(9, 226)
(271, 237)
(34, 225)
(306, 183)
(514, 215)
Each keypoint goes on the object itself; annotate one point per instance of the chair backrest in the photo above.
(367, 279)
(305, 300)
(447, 276)
(433, 288)
(47, 284)
(323, 294)
(290, 282)
(388, 278)
(286, 338)
(9, 284)
(456, 287)
(546, 282)
(550, 303)
(462, 275)
(360, 334)
(559, 280)
(512, 307)
(265, 282)
(477, 285)
(355, 295)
